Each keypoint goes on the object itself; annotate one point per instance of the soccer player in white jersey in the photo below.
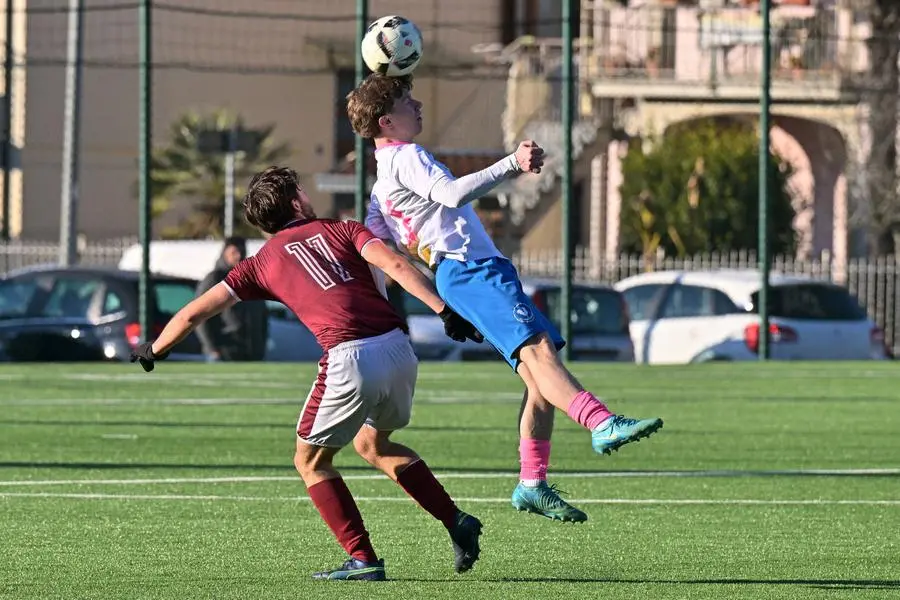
(421, 206)
(320, 269)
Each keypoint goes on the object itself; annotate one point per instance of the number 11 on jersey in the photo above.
(306, 256)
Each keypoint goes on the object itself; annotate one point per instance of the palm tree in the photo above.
(181, 170)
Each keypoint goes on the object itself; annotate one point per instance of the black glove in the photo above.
(144, 353)
(458, 328)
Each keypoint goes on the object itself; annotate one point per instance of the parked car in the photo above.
(51, 313)
(600, 325)
(682, 317)
(599, 318)
(84, 314)
(289, 339)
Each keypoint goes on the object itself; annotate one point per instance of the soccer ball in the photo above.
(392, 46)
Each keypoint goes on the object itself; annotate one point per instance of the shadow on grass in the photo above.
(193, 425)
(440, 469)
(835, 584)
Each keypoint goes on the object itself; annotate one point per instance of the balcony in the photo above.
(690, 53)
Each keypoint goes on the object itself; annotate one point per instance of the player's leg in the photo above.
(489, 294)
(535, 430)
(337, 508)
(334, 411)
(533, 494)
(608, 431)
(401, 463)
(411, 473)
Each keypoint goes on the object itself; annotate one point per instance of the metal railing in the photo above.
(812, 45)
(21, 254)
(874, 281)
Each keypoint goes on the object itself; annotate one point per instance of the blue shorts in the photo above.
(488, 293)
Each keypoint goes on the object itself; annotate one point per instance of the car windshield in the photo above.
(812, 301)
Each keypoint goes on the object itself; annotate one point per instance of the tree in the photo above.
(180, 170)
(696, 190)
(881, 89)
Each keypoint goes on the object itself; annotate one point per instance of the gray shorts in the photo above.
(369, 381)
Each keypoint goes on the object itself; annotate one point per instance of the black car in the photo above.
(84, 313)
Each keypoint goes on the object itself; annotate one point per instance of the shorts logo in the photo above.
(523, 313)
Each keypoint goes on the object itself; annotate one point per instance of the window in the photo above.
(70, 298)
(112, 303)
(685, 301)
(344, 138)
(540, 18)
(723, 305)
(415, 307)
(594, 311)
(280, 312)
(17, 296)
(696, 301)
(812, 301)
(642, 300)
(344, 206)
(171, 296)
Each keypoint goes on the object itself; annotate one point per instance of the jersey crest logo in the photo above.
(523, 313)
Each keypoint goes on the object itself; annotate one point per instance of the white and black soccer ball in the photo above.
(392, 46)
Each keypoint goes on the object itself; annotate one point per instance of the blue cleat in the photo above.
(617, 431)
(544, 500)
(464, 535)
(355, 570)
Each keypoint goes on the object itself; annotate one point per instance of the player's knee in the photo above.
(310, 459)
(538, 348)
(366, 444)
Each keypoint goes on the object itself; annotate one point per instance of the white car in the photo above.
(680, 317)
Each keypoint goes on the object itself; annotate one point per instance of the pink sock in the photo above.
(587, 410)
(534, 456)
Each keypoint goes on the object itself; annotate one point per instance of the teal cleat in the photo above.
(617, 431)
(544, 500)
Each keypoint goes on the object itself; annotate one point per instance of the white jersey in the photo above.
(403, 207)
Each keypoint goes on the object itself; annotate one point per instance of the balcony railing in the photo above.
(811, 46)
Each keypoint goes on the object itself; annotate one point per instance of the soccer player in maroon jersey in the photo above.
(322, 270)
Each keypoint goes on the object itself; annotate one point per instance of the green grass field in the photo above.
(773, 481)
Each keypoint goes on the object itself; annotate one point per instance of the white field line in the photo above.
(504, 500)
(221, 376)
(485, 475)
(422, 397)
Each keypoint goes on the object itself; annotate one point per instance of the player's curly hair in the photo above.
(372, 99)
(268, 201)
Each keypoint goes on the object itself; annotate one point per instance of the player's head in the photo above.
(275, 198)
(235, 250)
(382, 107)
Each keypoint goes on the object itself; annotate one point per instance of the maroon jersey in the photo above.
(315, 268)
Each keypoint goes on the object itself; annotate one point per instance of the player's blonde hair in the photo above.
(372, 99)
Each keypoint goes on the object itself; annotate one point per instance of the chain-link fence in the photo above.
(279, 69)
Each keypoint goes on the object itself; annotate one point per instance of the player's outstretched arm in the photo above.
(440, 186)
(398, 268)
(211, 303)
